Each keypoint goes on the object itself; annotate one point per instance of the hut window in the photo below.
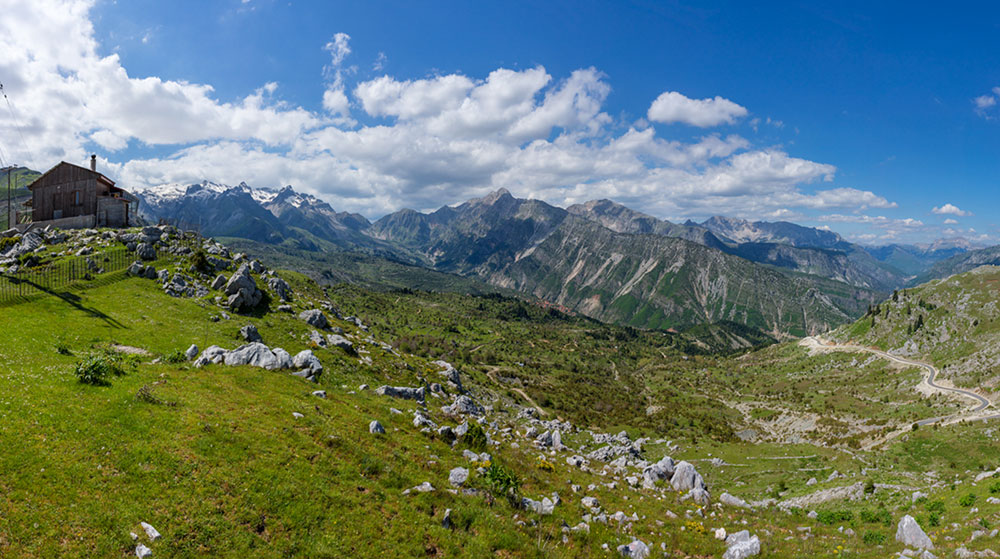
(76, 198)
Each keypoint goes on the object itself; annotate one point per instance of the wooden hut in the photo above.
(73, 197)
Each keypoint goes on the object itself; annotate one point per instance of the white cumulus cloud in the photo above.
(672, 106)
(950, 209)
(421, 143)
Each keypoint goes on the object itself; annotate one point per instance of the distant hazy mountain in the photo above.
(265, 215)
(785, 245)
(960, 263)
(912, 259)
(779, 232)
(599, 258)
(621, 219)
(643, 279)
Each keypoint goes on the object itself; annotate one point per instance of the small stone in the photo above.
(446, 521)
(458, 476)
(143, 551)
(250, 333)
(191, 352)
(319, 393)
(376, 428)
(150, 531)
(297, 415)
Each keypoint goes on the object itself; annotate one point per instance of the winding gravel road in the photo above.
(932, 371)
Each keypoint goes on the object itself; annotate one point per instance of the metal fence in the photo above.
(75, 272)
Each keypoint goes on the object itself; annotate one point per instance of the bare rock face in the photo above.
(741, 545)
(280, 287)
(255, 354)
(686, 478)
(315, 318)
(909, 533)
(404, 392)
(242, 290)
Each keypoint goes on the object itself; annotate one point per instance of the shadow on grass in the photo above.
(75, 301)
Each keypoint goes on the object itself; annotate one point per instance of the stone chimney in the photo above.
(93, 163)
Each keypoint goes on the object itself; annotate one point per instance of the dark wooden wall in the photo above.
(57, 191)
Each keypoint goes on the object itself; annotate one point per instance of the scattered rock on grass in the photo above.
(458, 476)
(424, 487)
(250, 333)
(909, 533)
(376, 428)
(315, 318)
(150, 531)
(401, 392)
(741, 545)
(635, 550)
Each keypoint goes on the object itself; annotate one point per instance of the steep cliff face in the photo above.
(661, 282)
(781, 244)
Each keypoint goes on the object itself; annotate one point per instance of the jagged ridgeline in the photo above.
(599, 259)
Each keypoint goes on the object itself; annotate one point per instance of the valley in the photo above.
(816, 447)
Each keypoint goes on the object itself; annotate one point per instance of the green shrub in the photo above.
(8, 242)
(502, 482)
(995, 487)
(62, 348)
(934, 506)
(199, 262)
(870, 487)
(880, 516)
(475, 437)
(933, 520)
(175, 356)
(872, 537)
(967, 500)
(97, 367)
(834, 516)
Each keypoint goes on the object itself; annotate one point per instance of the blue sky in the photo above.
(861, 118)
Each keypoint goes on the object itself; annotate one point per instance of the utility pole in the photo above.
(9, 170)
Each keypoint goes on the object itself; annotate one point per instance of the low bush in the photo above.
(967, 500)
(97, 367)
(880, 516)
(934, 506)
(475, 437)
(834, 516)
(871, 537)
(503, 482)
(175, 356)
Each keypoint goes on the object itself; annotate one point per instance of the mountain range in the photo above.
(600, 258)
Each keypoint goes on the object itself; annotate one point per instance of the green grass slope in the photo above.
(215, 459)
(953, 323)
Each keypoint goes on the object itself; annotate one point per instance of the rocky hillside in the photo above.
(783, 245)
(661, 282)
(621, 219)
(960, 263)
(953, 323)
(219, 406)
(780, 232)
(646, 280)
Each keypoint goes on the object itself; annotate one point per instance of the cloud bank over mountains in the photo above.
(377, 145)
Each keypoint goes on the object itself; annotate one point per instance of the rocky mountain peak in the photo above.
(495, 196)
